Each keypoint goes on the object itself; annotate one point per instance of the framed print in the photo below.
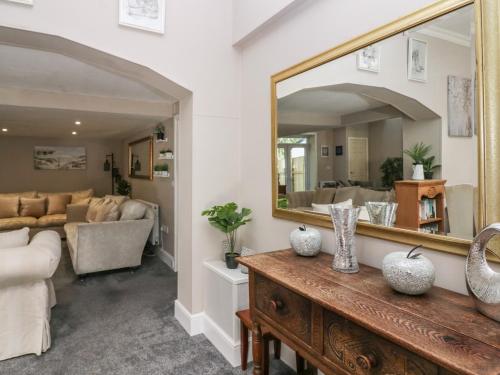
(417, 60)
(369, 59)
(325, 151)
(148, 15)
(339, 150)
(56, 157)
(460, 107)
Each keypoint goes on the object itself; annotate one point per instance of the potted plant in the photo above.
(392, 169)
(166, 154)
(227, 219)
(123, 188)
(160, 132)
(161, 170)
(429, 167)
(418, 153)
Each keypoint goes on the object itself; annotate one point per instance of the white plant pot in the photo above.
(418, 172)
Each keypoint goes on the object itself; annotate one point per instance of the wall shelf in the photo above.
(161, 174)
(166, 157)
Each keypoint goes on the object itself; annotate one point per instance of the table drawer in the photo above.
(286, 308)
(359, 351)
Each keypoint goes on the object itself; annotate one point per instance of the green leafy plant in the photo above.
(429, 166)
(392, 170)
(161, 168)
(227, 219)
(282, 203)
(157, 168)
(160, 131)
(418, 152)
(123, 187)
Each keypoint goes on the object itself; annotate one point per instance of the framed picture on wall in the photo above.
(369, 59)
(460, 107)
(339, 150)
(57, 157)
(417, 60)
(325, 151)
(148, 15)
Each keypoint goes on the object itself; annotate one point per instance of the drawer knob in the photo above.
(366, 362)
(277, 304)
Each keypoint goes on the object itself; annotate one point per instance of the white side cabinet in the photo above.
(226, 293)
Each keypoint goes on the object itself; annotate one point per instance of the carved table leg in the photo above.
(257, 349)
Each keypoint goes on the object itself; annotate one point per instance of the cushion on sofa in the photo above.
(56, 203)
(81, 196)
(344, 193)
(9, 207)
(324, 196)
(15, 238)
(54, 220)
(25, 194)
(17, 223)
(107, 211)
(132, 210)
(94, 205)
(34, 207)
(118, 199)
(369, 195)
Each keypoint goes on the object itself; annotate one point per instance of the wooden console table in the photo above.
(355, 324)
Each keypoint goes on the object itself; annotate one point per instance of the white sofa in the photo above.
(103, 246)
(27, 294)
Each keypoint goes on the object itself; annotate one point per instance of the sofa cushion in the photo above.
(9, 207)
(107, 211)
(132, 210)
(15, 238)
(17, 222)
(344, 193)
(54, 220)
(56, 204)
(80, 196)
(369, 195)
(324, 196)
(118, 199)
(32, 207)
(94, 205)
(26, 194)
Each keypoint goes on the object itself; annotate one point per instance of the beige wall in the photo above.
(158, 190)
(17, 172)
(325, 164)
(340, 161)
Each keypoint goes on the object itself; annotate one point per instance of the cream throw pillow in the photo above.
(9, 207)
(132, 210)
(118, 199)
(15, 238)
(107, 211)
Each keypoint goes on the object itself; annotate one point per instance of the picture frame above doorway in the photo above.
(147, 15)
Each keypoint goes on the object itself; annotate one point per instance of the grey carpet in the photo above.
(122, 323)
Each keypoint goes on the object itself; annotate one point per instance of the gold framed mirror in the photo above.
(140, 158)
(405, 114)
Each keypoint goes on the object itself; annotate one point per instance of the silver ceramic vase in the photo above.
(344, 222)
(382, 213)
(483, 283)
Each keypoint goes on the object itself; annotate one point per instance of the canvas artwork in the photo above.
(417, 60)
(369, 59)
(55, 157)
(460, 107)
(325, 151)
(146, 15)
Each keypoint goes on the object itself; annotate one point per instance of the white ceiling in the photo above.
(41, 70)
(56, 123)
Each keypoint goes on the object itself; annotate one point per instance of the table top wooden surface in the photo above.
(441, 325)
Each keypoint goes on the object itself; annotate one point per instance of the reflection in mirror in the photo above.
(140, 158)
(391, 123)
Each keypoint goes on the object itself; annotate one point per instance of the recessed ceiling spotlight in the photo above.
(78, 122)
(5, 130)
(74, 133)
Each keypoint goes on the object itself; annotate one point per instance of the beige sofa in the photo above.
(108, 245)
(42, 221)
(27, 293)
(309, 200)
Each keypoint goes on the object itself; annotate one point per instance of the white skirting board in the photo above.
(192, 323)
(165, 257)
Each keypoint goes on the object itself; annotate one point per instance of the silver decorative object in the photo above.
(483, 283)
(306, 241)
(344, 221)
(382, 213)
(245, 252)
(408, 273)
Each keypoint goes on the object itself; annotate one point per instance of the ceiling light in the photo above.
(78, 123)
(5, 130)
(74, 133)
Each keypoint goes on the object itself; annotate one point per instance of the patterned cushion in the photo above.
(132, 210)
(107, 211)
(118, 199)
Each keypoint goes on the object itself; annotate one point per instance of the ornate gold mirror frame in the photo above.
(488, 120)
(149, 170)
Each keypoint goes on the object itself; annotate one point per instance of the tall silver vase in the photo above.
(344, 222)
(381, 213)
(482, 282)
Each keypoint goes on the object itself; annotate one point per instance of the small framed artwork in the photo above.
(148, 15)
(460, 107)
(325, 151)
(339, 150)
(369, 59)
(417, 60)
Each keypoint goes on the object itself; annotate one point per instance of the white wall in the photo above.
(307, 30)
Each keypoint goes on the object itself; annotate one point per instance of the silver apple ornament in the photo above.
(408, 273)
(306, 241)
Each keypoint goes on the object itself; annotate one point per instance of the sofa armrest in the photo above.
(76, 213)
(37, 261)
(300, 199)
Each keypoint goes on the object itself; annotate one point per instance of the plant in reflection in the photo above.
(429, 167)
(282, 203)
(392, 169)
(418, 152)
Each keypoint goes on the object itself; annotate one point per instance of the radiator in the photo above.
(154, 236)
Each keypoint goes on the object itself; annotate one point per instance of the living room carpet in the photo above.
(123, 323)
